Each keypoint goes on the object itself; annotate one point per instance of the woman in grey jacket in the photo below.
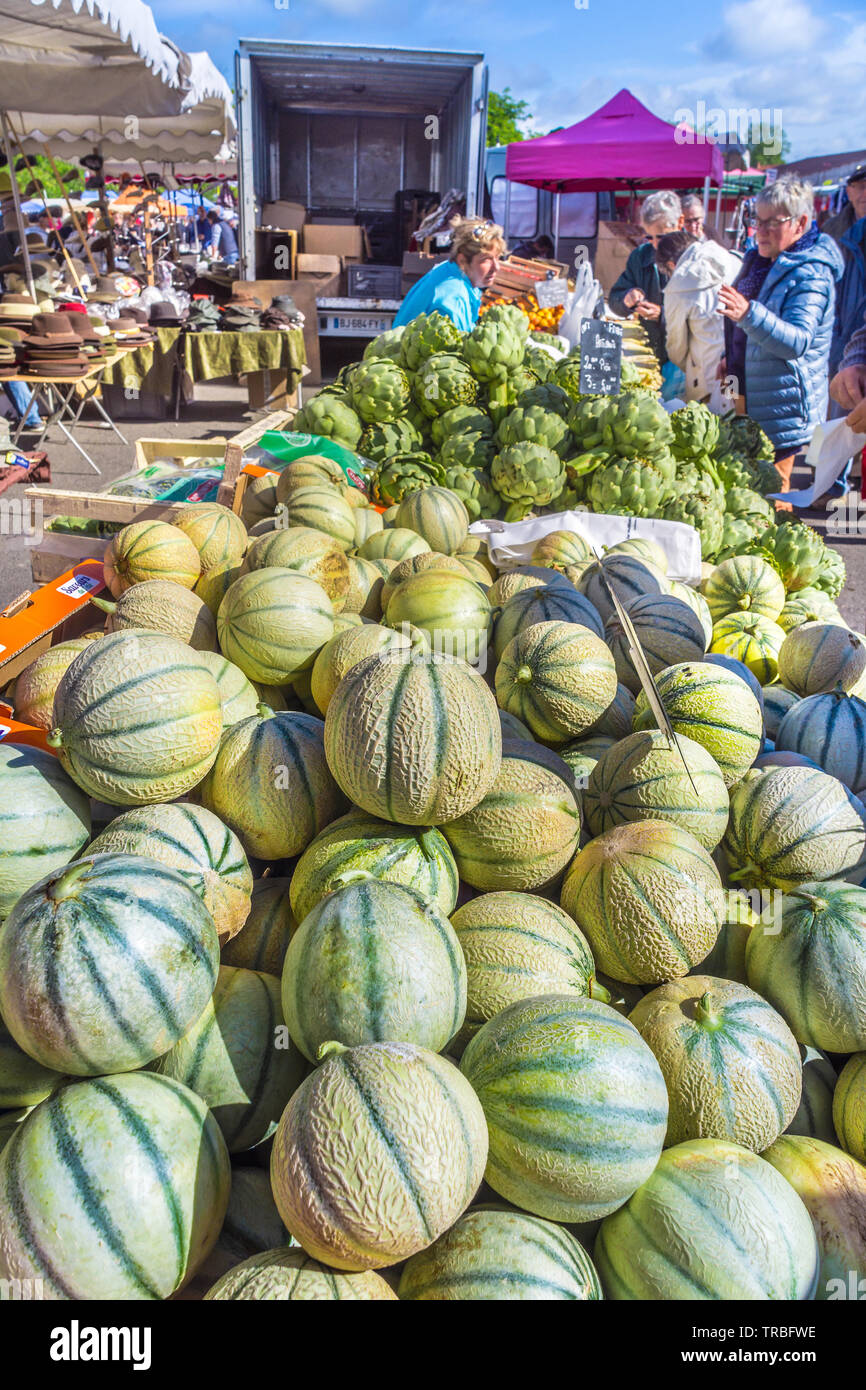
(780, 314)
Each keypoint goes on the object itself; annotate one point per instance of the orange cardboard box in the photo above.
(40, 618)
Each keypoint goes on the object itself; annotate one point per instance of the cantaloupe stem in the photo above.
(429, 845)
(598, 991)
(524, 675)
(705, 1013)
(264, 711)
(105, 604)
(352, 876)
(62, 887)
(54, 739)
(330, 1049)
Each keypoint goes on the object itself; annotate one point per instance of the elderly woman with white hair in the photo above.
(779, 313)
(639, 289)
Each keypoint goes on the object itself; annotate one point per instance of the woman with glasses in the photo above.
(454, 287)
(693, 216)
(639, 289)
(779, 316)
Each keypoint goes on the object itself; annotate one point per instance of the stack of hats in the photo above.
(164, 315)
(243, 314)
(129, 332)
(203, 317)
(283, 313)
(104, 290)
(93, 343)
(8, 359)
(17, 310)
(53, 348)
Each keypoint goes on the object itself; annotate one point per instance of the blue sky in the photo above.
(803, 58)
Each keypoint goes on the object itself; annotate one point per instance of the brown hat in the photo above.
(52, 330)
(104, 291)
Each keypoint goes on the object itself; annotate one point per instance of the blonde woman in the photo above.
(454, 287)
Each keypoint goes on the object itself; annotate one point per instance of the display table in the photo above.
(61, 399)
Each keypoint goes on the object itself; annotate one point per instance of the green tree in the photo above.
(504, 111)
(766, 152)
(43, 175)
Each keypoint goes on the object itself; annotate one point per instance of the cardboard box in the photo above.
(33, 622)
(304, 292)
(616, 241)
(310, 264)
(286, 217)
(326, 239)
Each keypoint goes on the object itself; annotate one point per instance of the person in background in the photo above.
(852, 210)
(224, 244)
(204, 229)
(454, 287)
(693, 216)
(848, 387)
(188, 234)
(639, 289)
(779, 316)
(694, 332)
(540, 249)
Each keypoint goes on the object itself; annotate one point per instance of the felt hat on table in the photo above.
(17, 307)
(52, 330)
(284, 303)
(164, 313)
(104, 291)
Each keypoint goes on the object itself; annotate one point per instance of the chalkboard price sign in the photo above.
(600, 357)
(550, 293)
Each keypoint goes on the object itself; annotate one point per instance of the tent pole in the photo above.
(19, 216)
(718, 207)
(35, 176)
(507, 206)
(82, 235)
(706, 197)
(556, 228)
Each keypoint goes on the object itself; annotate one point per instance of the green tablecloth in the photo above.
(206, 356)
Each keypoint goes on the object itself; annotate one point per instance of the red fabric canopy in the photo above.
(622, 145)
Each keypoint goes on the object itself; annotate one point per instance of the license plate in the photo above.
(351, 325)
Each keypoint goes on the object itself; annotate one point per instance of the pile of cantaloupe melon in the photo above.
(363, 935)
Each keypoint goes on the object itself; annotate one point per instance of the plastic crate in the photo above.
(374, 281)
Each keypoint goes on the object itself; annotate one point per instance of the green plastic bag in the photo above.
(276, 449)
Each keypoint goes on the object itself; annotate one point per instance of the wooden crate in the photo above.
(147, 451)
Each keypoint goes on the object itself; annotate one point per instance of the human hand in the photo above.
(856, 421)
(732, 304)
(645, 310)
(848, 387)
(632, 297)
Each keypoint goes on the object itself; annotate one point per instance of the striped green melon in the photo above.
(517, 581)
(414, 857)
(368, 522)
(271, 785)
(68, 1215)
(366, 583)
(395, 543)
(744, 584)
(713, 707)
(814, 1115)
(477, 571)
(234, 1058)
(44, 820)
(730, 1062)
(272, 622)
(313, 470)
(122, 955)
(517, 945)
(749, 638)
(582, 756)
(739, 668)
(713, 1222)
(698, 604)
(160, 605)
(37, 684)
(668, 630)
(792, 824)
(252, 1225)
(437, 515)
(344, 651)
(630, 577)
(558, 678)
(347, 975)
(413, 741)
(831, 731)
(575, 1104)
(832, 1186)
(450, 608)
(849, 1106)
(215, 584)
(513, 728)
(137, 718)
(617, 719)
(649, 551)
(817, 657)
(475, 548)
(545, 604)
(414, 564)
(288, 1274)
(307, 551)
(809, 606)
(493, 1253)
(238, 696)
(525, 829)
(150, 550)
(813, 970)
(648, 777)
(323, 509)
(263, 940)
(649, 900)
(194, 842)
(560, 549)
(777, 702)
(260, 498)
(378, 1153)
(217, 533)
(23, 1080)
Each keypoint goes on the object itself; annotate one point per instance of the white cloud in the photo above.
(758, 28)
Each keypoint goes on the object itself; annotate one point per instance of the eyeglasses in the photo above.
(692, 221)
(479, 231)
(774, 222)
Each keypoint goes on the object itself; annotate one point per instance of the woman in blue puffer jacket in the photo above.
(780, 313)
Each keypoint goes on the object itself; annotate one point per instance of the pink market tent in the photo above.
(622, 145)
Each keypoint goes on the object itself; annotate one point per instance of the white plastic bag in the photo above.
(510, 544)
(580, 303)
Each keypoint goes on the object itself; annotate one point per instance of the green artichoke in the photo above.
(379, 390)
(539, 362)
(631, 487)
(381, 442)
(586, 421)
(535, 425)
(492, 350)
(511, 316)
(794, 550)
(551, 339)
(749, 505)
(567, 375)
(328, 415)
(831, 577)
(734, 470)
(404, 473)
(696, 431)
(742, 435)
(467, 451)
(736, 536)
(474, 488)
(442, 383)
(502, 395)
(707, 519)
(549, 396)
(635, 423)
(459, 420)
(527, 475)
(388, 344)
(426, 334)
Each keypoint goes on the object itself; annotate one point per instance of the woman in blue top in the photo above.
(454, 287)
